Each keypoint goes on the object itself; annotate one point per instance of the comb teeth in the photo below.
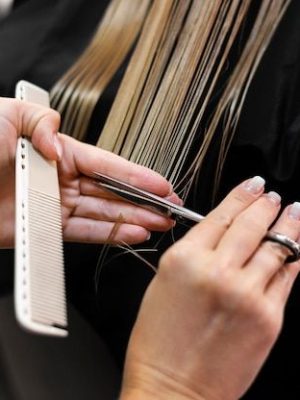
(47, 291)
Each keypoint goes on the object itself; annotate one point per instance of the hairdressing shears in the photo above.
(146, 199)
(168, 209)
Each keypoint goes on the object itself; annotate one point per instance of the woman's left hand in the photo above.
(88, 213)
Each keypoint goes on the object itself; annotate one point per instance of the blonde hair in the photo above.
(77, 92)
(171, 80)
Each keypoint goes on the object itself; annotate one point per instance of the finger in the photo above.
(173, 198)
(109, 210)
(209, 232)
(249, 228)
(34, 121)
(85, 230)
(41, 124)
(271, 256)
(89, 159)
(89, 187)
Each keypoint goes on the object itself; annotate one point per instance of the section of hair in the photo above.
(168, 95)
(185, 83)
(78, 91)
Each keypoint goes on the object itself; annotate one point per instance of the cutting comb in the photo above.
(40, 299)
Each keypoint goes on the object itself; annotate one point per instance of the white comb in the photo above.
(40, 299)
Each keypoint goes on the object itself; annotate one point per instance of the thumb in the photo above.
(41, 125)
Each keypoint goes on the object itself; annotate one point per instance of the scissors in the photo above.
(168, 209)
(146, 199)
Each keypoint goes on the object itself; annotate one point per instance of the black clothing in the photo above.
(42, 38)
(45, 368)
(39, 40)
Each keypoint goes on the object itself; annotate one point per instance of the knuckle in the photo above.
(242, 298)
(242, 196)
(221, 219)
(252, 223)
(238, 295)
(222, 285)
(177, 262)
(46, 114)
(263, 315)
(176, 256)
(56, 116)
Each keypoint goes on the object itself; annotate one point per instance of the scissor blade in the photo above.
(146, 199)
(138, 199)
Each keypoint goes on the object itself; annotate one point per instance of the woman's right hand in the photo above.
(215, 308)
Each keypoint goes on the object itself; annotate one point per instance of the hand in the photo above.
(89, 214)
(215, 308)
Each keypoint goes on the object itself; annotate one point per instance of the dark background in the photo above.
(39, 40)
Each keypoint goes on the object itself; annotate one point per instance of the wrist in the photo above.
(147, 383)
(141, 394)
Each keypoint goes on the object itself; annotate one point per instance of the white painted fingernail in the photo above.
(255, 184)
(274, 197)
(294, 211)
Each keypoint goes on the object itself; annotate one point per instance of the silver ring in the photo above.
(293, 246)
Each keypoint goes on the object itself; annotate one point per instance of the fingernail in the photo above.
(255, 184)
(58, 147)
(274, 197)
(294, 211)
(149, 236)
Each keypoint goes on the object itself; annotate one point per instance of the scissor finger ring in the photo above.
(285, 241)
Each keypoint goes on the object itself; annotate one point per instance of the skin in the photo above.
(88, 213)
(212, 313)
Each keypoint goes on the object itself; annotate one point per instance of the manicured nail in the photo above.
(274, 197)
(255, 184)
(58, 147)
(294, 211)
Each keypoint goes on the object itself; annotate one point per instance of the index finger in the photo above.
(90, 158)
(208, 232)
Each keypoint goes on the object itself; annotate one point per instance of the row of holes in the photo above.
(23, 145)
